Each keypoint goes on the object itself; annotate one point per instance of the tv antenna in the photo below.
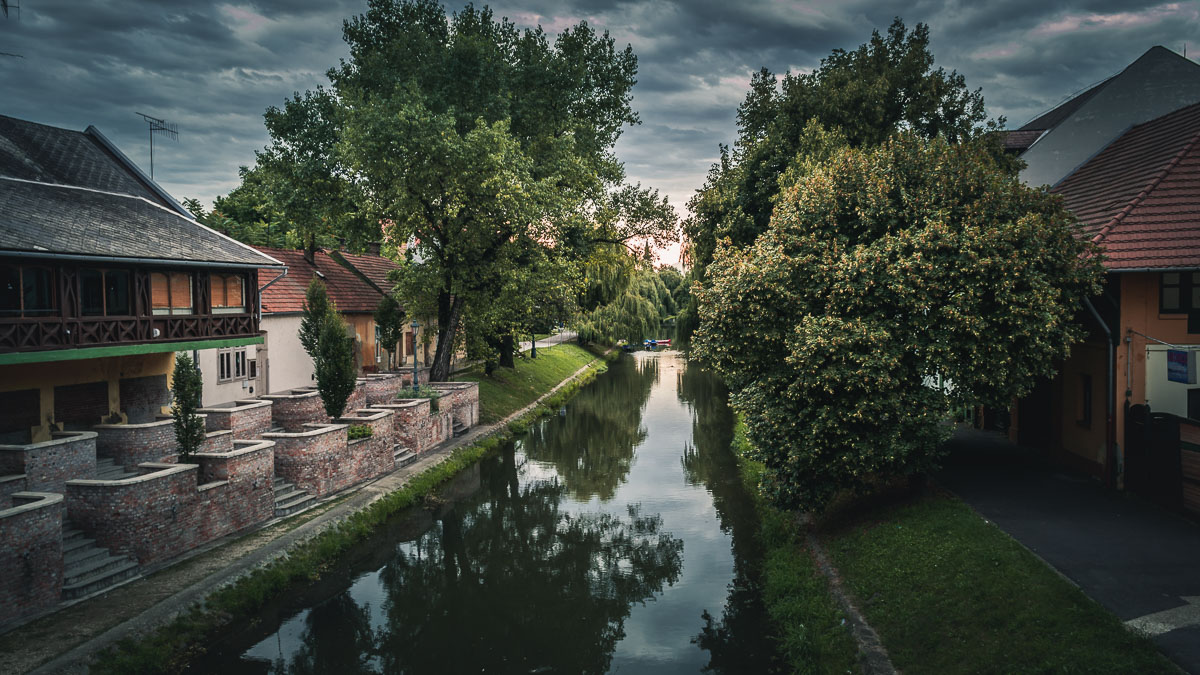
(6, 5)
(159, 126)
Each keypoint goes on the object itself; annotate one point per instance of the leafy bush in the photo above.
(357, 431)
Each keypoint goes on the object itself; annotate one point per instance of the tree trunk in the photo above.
(506, 352)
(449, 314)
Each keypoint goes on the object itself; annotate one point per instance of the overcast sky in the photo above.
(214, 68)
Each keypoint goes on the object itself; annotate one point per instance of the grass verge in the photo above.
(171, 647)
(810, 628)
(949, 592)
(507, 390)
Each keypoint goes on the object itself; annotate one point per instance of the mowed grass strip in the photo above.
(810, 628)
(507, 390)
(949, 592)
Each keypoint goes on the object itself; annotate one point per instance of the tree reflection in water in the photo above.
(508, 582)
(592, 448)
(740, 641)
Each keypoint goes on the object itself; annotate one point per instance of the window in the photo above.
(232, 364)
(26, 291)
(410, 345)
(1178, 292)
(171, 292)
(228, 294)
(104, 292)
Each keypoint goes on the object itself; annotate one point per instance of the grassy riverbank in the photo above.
(946, 591)
(808, 624)
(506, 390)
(170, 647)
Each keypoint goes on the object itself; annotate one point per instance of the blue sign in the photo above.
(1181, 366)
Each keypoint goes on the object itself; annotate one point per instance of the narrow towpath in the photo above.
(63, 642)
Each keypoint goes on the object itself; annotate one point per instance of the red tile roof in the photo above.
(374, 267)
(348, 291)
(1021, 139)
(1139, 198)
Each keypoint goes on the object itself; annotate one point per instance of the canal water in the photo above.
(615, 536)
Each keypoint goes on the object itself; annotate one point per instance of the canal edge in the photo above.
(873, 658)
(357, 498)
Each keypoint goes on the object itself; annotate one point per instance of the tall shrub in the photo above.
(189, 426)
(389, 317)
(324, 336)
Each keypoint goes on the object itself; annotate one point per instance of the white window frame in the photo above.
(231, 364)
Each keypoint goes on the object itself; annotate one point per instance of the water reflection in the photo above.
(564, 553)
(592, 449)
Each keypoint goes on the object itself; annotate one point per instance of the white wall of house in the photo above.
(237, 383)
(288, 365)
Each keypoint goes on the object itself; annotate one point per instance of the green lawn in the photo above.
(507, 391)
(812, 636)
(949, 592)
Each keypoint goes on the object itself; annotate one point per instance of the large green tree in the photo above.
(893, 284)
(471, 143)
(857, 98)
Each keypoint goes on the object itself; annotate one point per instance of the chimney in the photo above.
(373, 248)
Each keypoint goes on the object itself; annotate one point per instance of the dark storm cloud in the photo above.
(213, 69)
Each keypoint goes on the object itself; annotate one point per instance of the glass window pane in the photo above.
(1170, 278)
(1170, 298)
(10, 291)
(233, 291)
(1195, 298)
(116, 293)
(91, 293)
(38, 290)
(1196, 277)
(217, 286)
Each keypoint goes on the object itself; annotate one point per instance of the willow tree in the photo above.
(893, 284)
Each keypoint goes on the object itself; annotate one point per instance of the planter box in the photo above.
(247, 419)
(312, 458)
(417, 428)
(297, 407)
(243, 475)
(373, 456)
(31, 557)
(50, 464)
(460, 399)
(132, 444)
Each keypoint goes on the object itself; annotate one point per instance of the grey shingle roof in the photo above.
(37, 217)
(64, 192)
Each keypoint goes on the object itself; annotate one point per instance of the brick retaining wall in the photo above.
(165, 512)
(132, 444)
(31, 556)
(381, 388)
(217, 441)
(417, 427)
(11, 483)
(49, 464)
(295, 408)
(461, 399)
(373, 456)
(311, 459)
(247, 419)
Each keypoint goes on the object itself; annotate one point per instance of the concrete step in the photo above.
(71, 534)
(77, 543)
(82, 555)
(100, 580)
(278, 483)
(404, 457)
(92, 566)
(298, 503)
(286, 495)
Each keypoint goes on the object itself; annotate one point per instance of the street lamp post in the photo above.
(415, 327)
(533, 335)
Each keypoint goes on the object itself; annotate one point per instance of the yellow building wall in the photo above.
(46, 376)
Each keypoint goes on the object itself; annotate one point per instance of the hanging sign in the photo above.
(1181, 366)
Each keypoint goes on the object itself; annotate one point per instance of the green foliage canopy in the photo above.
(893, 284)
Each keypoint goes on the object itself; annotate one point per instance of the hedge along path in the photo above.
(175, 589)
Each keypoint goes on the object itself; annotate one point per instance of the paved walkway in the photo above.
(1139, 561)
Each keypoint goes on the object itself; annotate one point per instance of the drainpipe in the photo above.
(1110, 429)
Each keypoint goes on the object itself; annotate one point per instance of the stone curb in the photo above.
(163, 612)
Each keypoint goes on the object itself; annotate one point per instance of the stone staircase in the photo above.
(458, 428)
(107, 469)
(290, 499)
(403, 456)
(88, 568)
